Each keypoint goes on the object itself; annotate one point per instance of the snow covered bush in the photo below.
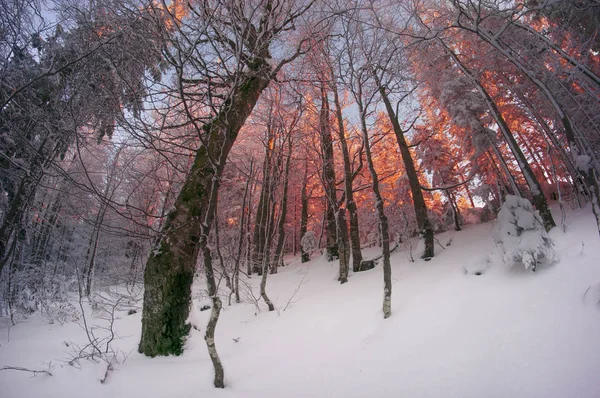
(309, 242)
(520, 233)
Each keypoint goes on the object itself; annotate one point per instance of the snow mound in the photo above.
(520, 232)
(479, 266)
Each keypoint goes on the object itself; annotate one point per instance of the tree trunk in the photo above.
(343, 245)
(304, 255)
(211, 283)
(248, 253)
(283, 215)
(512, 186)
(455, 212)
(90, 257)
(13, 217)
(170, 268)
(266, 257)
(236, 270)
(262, 211)
(425, 227)
(220, 255)
(328, 178)
(348, 180)
(383, 221)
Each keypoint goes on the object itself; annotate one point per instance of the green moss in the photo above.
(166, 305)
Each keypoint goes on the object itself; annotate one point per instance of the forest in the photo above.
(158, 156)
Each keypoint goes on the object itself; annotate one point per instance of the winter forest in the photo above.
(299, 198)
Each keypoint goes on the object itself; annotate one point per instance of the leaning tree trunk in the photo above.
(587, 170)
(348, 180)
(170, 268)
(512, 184)
(425, 227)
(328, 178)
(383, 221)
(567, 162)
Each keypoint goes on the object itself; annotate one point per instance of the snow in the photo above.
(504, 333)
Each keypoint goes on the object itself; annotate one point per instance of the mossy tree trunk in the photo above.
(170, 268)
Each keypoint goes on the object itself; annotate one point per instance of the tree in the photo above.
(235, 40)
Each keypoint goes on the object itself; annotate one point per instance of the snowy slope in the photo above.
(506, 333)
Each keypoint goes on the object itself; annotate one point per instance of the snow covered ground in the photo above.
(505, 333)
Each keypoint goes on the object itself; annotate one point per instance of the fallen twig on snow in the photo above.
(34, 371)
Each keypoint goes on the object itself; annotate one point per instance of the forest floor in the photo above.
(505, 333)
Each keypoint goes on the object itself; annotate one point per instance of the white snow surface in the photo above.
(504, 333)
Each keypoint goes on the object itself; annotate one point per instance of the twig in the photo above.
(109, 367)
(438, 242)
(391, 251)
(34, 371)
(302, 282)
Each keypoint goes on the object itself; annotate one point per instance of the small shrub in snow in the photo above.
(520, 232)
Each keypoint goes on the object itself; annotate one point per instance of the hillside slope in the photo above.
(506, 333)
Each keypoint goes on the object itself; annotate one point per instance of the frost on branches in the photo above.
(520, 232)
